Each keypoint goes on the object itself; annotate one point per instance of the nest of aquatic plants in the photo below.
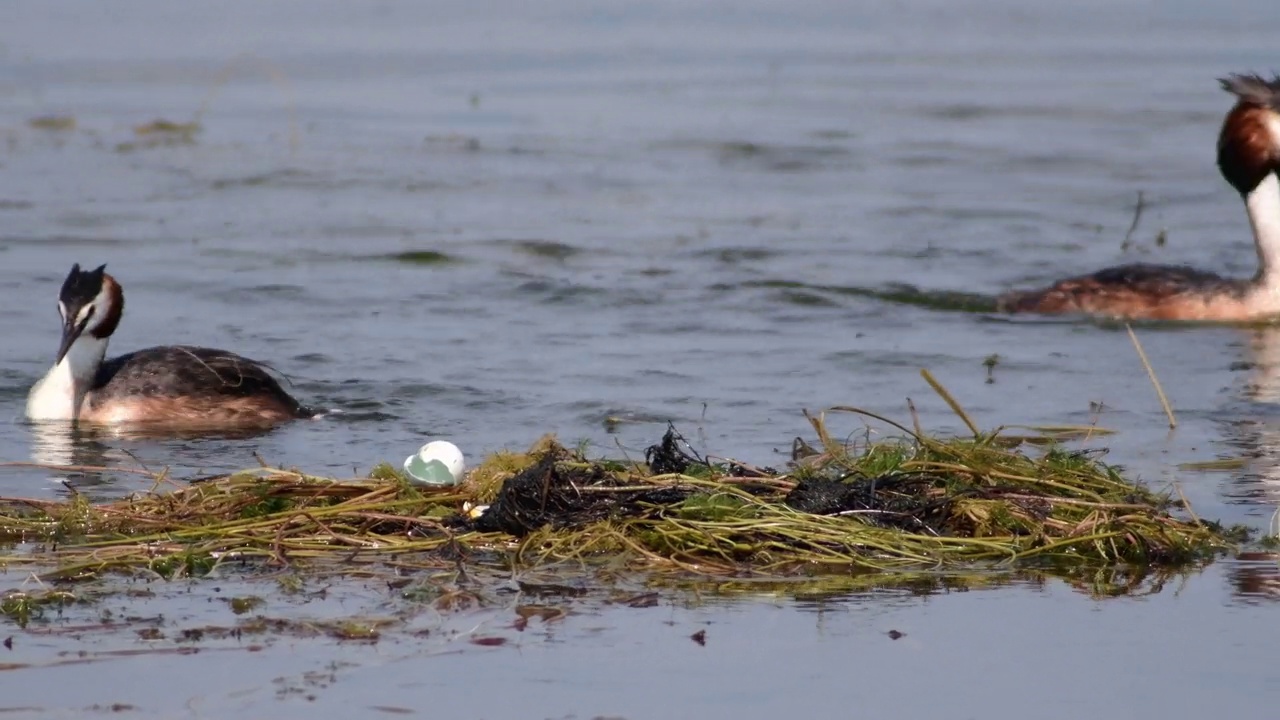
(915, 503)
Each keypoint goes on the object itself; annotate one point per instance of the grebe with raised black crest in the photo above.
(1249, 159)
(175, 387)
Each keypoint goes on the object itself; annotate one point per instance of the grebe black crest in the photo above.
(174, 386)
(1249, 159)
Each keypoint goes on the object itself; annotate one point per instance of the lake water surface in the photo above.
(489, 221)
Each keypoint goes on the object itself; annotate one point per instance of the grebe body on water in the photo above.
(173, 386)
(1249, 159)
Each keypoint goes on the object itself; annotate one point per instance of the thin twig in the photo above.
(277, 77)
(78, 468)
(1137, 218)
(1186, 505)
(1164, 401)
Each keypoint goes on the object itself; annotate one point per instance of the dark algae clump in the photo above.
(902, 500)
(556, 491)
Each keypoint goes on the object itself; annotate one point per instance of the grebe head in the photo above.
(1249, 144)
(1249, 159)
(90, 303)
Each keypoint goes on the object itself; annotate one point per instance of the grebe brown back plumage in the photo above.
(175, 386)
(1249, 159)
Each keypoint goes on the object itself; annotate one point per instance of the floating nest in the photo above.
(914, 503)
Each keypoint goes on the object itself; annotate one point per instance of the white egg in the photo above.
(439, 462)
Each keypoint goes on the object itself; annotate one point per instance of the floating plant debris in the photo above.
(907, 504)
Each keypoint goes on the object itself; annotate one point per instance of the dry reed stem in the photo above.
(1151, 373)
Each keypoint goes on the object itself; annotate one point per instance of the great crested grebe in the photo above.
(1249, 159)
(171, 386)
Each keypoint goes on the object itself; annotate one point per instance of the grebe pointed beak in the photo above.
(70, 333)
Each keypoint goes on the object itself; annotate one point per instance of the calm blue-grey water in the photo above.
(659, 211)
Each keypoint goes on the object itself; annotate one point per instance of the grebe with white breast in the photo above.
(175, 387)
(1249, 159)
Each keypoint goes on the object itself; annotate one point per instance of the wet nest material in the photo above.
(914, 503)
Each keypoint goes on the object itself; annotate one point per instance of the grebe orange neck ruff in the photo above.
(174, 386)
(1249, 159)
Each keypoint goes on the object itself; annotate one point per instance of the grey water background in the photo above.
(695, 212)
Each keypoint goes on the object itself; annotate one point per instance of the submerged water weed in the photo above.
(191, 563)
(907, 503)
(422, 257)
(943, 300)
(242, 605)
(161, 133)
(23, 606)
(53, 123)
